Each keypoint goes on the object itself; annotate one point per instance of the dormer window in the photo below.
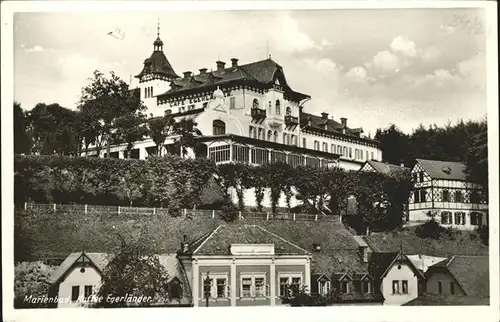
(344, 287)
(366, 286)
(447, 170)
(278, 107)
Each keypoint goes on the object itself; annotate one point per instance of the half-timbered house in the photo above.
(246, 113)
(441, 190)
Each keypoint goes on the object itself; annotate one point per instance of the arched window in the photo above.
(255, 103)
(270, 107)
(269, 135)
(275, 136)
(219, 127)
(288, 111)
(333, 148)
(175, 289)
(278, 107)
(325, 147)
(316, 145)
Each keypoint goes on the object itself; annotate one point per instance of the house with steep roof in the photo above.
(76, 281)
(244, 265)
(396, 277)
(246, 113)
(384, 168)
(441, 189)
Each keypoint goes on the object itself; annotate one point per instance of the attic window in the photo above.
(446, 170)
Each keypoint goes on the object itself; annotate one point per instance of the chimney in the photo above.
(365, 253)
(220, 65)
(184, 244)
(324, 116)
(234, 62)
(402, 164)
(203, 71)
(343, 120)
(187, 74)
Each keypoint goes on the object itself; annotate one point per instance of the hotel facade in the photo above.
(246, 113)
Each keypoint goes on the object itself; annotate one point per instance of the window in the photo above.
(294, 140)
(260, 287)
(350, 152)
(324, 287)
(175, 289)
(344, 287)
(253, 286)
(365, 286)
(270, 107)
(460, 218)
(333, 148)
(246, 287)
(255, 103)
(232, 103)
(240, 153)
(219, 127)
(206, 104)
(404, 285)
(372, 156)
(294, 282)
(421, 175)
(416, 196)
(261, 134)
(275, 136)
(278, 108)
(440, 287)
(269, 135)
(288, 139)
(476, 219)
(452, 288)
(423, 195)
(395, 287)
(367, 155)
(259, 156)
(415, 176)
(446, 218)
(325, 147)
(219, 153)
(75, 292)
(445, 195)
(344, 153)
(316, 145)
(288, 111)
(339, 149)
(152, 91)
(304, 142)
(182, 109)
(215, 286)
(87, 291)
(221, 287)
(458, 196)
(250, 131)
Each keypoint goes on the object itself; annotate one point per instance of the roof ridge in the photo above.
(283, 239)
(208, 237)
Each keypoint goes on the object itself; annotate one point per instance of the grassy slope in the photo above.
(56, 235)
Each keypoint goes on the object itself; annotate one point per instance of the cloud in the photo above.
(322, 65)
(404, 46)
(386, 61)
(287, 35)
(429, 54)
(357, 73)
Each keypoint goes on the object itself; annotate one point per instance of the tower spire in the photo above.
(158, 33)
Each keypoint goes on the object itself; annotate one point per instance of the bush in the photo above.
(484, 234)
(430, 229)
(30, 280)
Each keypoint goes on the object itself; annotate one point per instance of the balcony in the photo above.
(258, 113)
(291, 120)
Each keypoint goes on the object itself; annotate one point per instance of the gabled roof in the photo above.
(220, 240)
(101, 260)
(380, 263)
(471, 272)
(98, 260)
(446, 299)
(444, 169)
(261, 72)
(387, 169)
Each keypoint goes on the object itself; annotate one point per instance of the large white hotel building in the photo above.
(246, 113)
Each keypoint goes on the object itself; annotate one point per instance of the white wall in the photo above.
(405, 273)
(76, 278)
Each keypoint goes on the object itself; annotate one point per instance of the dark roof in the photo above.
(359, 297)
(412, 244)
(447, 299)
(257, 73)
(444, 169)
(333, 127)
(386, 168)
(157, 63)
(471, 272)
(379, 262)
(219, 242)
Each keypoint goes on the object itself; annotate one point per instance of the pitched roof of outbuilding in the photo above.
(386, 168)
(444, 169)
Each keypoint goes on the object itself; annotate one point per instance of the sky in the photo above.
(375, 67)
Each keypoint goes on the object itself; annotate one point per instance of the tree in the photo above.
(91, 128)
(394, 144)
(159, 129)
(134, 270)
(107, 99)
(477, 158)
(21, 139)
(130, 128)
(54, 129)
(186, 131)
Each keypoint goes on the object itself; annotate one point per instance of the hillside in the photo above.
(50, 237)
